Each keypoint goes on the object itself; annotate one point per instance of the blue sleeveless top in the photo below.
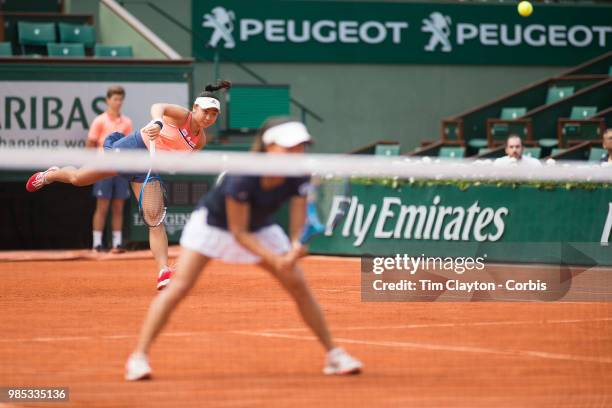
(247, 189)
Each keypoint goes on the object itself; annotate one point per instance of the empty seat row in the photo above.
(510, 119)
(36, 33)
(581, 125)
(76, 50)
(595, 154)
(74, 39)
(453, 152)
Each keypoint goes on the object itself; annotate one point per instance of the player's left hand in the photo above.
(151, 131)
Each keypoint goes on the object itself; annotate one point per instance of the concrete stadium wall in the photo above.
(359, 103)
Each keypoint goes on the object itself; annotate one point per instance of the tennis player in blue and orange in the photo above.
(174, 128)
(233, 223)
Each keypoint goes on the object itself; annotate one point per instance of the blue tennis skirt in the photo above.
(118, 141)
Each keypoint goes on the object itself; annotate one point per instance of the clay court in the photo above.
(237, 342)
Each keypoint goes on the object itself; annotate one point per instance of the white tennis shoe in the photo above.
(339, 362)
(137, 367)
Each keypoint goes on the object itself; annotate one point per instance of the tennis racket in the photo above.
(328, 203)
(152, 201)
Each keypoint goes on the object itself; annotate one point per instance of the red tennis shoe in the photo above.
(163, 279)
(37, 180)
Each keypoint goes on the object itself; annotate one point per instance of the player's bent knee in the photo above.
(74, 180)
(78, 181)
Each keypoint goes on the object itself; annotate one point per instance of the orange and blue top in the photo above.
(177, 138)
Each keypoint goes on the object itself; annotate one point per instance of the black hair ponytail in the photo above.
(211, 88)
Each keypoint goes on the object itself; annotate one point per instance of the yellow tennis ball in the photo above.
(525, 8)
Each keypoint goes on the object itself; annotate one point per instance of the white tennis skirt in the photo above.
(218, 243)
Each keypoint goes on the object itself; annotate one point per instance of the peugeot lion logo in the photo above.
(438, 26)
(222, 21)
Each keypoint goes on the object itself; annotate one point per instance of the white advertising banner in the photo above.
(58, 114)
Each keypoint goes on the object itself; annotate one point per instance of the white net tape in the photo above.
(400, 167)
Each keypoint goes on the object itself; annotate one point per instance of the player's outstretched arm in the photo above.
(174, 114)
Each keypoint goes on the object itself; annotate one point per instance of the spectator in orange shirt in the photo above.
(112, 191)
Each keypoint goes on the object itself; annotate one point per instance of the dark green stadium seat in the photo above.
(120, 51)
(596, 154)
(35, 34)
(65, 50)
(77, 33)
(477, 143)
(502, 130)
(548, 143)
(512, 113)
(535, 152)
(583, 112)
(452, 152)
(387, 150)
(557, 93)
(580, 129)
(610, 70)
(6, 50)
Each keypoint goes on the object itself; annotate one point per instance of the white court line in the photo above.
(340, 291)
(422, 346)
(442, 347)
(53, 339)
(66, 338)
(49, 339)
(108, 337)
(446, 325)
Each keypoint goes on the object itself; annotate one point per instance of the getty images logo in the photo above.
(222, 22)
(438, 25)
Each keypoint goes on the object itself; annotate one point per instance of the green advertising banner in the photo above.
(523, 223)
(498, 223)
(423, 33)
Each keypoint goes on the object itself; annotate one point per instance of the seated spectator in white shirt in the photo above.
(514, 154)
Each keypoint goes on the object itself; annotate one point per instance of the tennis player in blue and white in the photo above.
(234, 223)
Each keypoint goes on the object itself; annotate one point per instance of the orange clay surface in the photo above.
(237, 341)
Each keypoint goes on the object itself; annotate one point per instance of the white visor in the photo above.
(287, 134)
(206, 102)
